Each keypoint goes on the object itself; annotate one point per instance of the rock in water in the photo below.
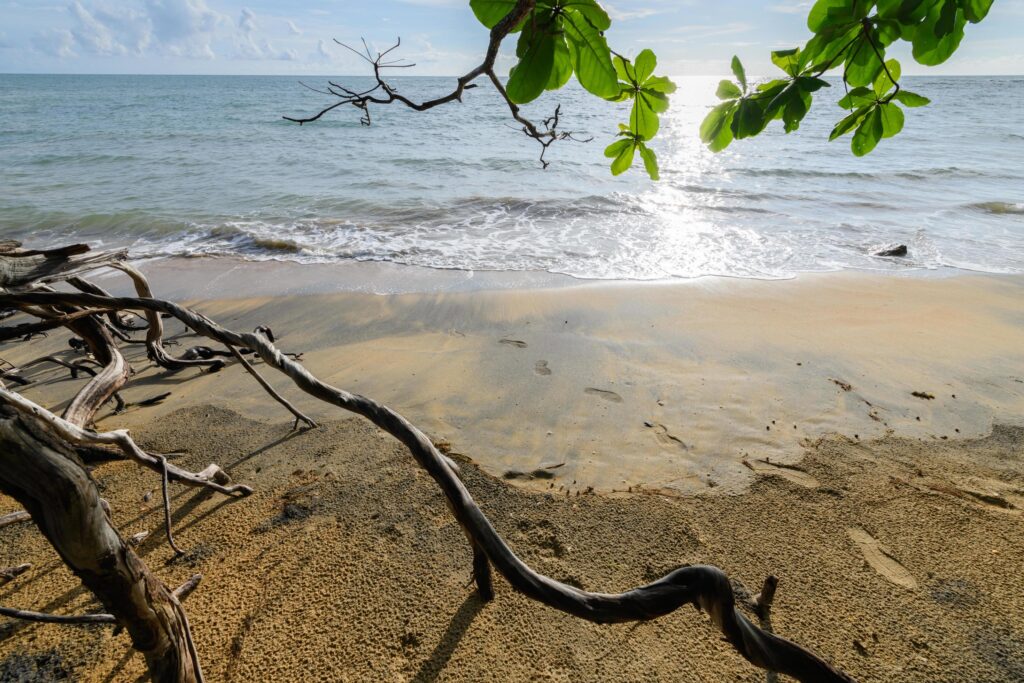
(890, 250)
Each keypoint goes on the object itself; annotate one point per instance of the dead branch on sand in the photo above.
(40, 468)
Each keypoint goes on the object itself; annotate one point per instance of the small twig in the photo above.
(181, 592)
(178, 552)
(8, 574)
(14, 518)
(299, 416)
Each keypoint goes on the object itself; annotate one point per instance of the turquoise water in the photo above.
(205, 166)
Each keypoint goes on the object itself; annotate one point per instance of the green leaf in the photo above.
(795, 110)
(724, 136)
(650, 161)
(561, 70)
(532, 74)
(749, 119)
(590, 9)
(812, 83)
(787, 60)
(911, 99)
(643, 122)
(624, 69)
(490, 12)
(654, 99)
(645, 63)
(885, 81)
(592, 60)
(741, 75)
(975, 10)
(612, 150)
(939, 35)
(825, 47)
(621, 152)
(727, 90)
(848, 123)
(660, 84)
(713, 122)
(892, 119)
(857, 97)
(868, 133)
(829, 13)
(863, 64)
(889, 9)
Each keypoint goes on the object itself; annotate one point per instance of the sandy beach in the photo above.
(857, 436)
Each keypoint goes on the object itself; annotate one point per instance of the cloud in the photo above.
(174, 27)
(293, 29)
(250, 46)
(247, 22)
(55, 42)
(625, 15)
(792, 7)
(184, 27)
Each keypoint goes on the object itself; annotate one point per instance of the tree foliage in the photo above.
(852, 35)
(560, 38)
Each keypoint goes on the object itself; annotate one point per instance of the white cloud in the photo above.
(247, 22)
(293, 29)
(55, 42)
(625, 15)
(184, 27)
(250, 46)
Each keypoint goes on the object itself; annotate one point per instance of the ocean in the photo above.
(201, 166)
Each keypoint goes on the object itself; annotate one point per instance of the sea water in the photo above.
(204, 166)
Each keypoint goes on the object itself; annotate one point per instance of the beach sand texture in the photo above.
(611, 432)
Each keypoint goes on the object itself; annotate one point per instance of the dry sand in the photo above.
(898, 550)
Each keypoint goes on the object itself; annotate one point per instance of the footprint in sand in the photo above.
(541, 368)
(790, 472)
(665, 437)
(513, 342)
(603, 393)
(880, 559)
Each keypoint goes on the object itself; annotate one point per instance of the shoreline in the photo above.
(680, 387)
(228, 277)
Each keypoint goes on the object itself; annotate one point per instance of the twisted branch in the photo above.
(703, 586)
(546, 134)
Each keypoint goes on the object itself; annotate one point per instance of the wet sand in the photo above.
(614, 432)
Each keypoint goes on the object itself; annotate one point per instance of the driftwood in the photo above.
(44, 474)
(180, 593)
(14, 518)
(706, 587)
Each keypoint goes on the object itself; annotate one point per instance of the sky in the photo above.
(691, 37)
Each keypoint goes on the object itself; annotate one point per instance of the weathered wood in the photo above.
(212, 477)
(155, 329)
(704, 586)
(21, 268)
(47, 478)
(181, 592)
(105, 383)
(14, 518)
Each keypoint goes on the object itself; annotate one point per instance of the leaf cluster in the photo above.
(562, 38)
(852, 35)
